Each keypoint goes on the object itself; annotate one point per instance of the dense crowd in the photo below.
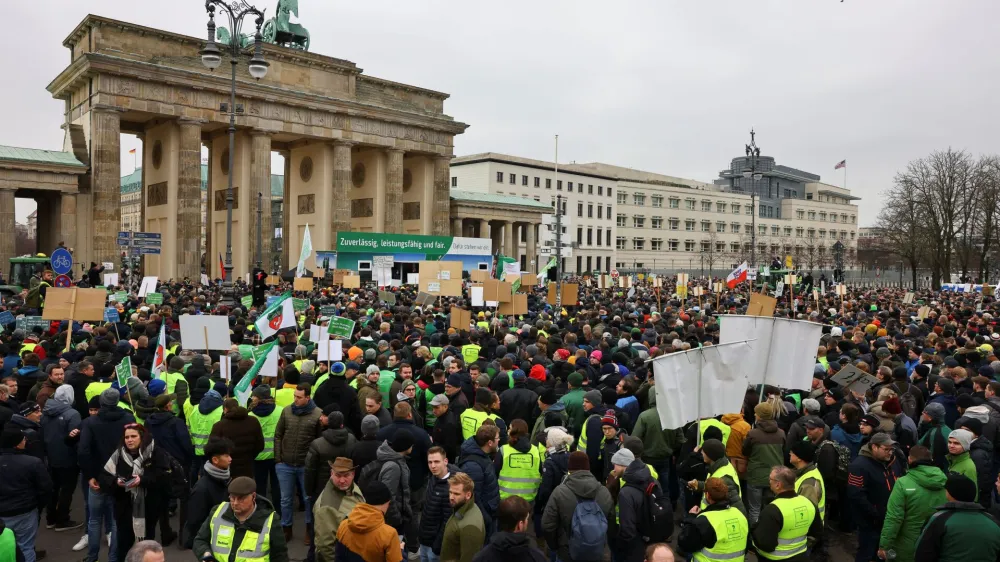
(513, 438)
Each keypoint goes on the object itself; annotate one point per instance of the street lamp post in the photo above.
(211, 57)
(750, 172)
(260, 226)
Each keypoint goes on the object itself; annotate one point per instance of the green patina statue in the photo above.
(279, 30)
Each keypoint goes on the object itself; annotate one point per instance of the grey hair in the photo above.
(138, 551)
(781, 474)
(4, 390)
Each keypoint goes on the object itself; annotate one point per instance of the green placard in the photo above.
(327, 310)
(341, 327)
(247, 301)
(121, 296)
(154, 298)
(300, 304)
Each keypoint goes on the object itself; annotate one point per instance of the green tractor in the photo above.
(22, 270)
(771, 281)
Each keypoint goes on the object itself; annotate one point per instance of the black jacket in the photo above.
(504, 547)
(100, 435)
(696, 532)
(448, 434)
(479, 467)
(518, 403)
(171, 434)
(417, 459)
(336, 390)
(33, 433)
(58, 420)
(332, 443)
(207, 494)
(981, 452)
(7, 411)
(631, 500)
(437, 510)
(869, 483)
(79, 382)
(25, 484)
(365, 452)
(554, 468)
(765, 533)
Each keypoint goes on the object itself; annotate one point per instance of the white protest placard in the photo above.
(492, 304)
(148, 285)
(908, 299)
(513, 267)
(205, 332)
(751, 275)
(110, 279)
(854, 379)
(476, 294)
(772, 359)
(779, 289)
(314, 333)
(412, 278)
(333, 350)
(709, 373)
(434, 287)
(822, 287)
(225, 367)
(204, 279)
(444, 274)
(841, 289)
(682, 278)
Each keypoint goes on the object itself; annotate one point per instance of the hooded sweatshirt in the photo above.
(631, 498)
(58, 420)
(365, 536)
(395, 474)
(848, 435)
(211, 401)
(911, 503)
(764, 449)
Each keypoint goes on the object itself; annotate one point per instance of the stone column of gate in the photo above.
(188, 240)
(532, 250)
(441, 203)
(8, 235)
(456, 227)
(67, 222)
(105, 169)
(509, 249)
(341, 216)
(394, 192)
(484, 228)
(260, 182)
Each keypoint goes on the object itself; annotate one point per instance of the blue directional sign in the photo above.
(141, 243)
(146, 235)
(144, 250)
(62, 261)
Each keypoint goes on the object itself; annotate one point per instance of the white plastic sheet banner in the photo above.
(110, 279)
(225, 369)
(783, 354)
(716, 368)
(314, 333)
(476, 294)
(270, 366)
(148, 286)
(330, 350)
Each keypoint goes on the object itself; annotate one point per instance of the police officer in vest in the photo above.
(786, 524)
(716, 532)
(244, 529)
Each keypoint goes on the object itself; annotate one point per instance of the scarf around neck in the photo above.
(217, 473)
(304, 410)
(138, 493)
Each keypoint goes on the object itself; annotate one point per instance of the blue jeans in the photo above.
(426, 554)
(102, 510)
(290, 477)
(24, 527)
(85, 488)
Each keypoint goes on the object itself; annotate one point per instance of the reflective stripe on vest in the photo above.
(256, 547)
(581, 444)
(472, 419)
(797, 516)
(731, 530)
(726, 470)
(520, 473)
(814, 473)
(267, 426)
(95, 389)
(200, 427)
(725, 429)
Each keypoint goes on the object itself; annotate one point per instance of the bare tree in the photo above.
(901, 230)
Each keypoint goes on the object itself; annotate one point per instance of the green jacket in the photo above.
(912, 501)
(764, 448)
(963, 464)
(658, 445)
(574, 409)
(464, 534)
(959, 532)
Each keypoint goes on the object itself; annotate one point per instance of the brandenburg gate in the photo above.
(361, 153)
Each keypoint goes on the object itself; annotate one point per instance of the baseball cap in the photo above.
(439, 400)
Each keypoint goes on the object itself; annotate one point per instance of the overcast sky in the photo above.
(668, 86)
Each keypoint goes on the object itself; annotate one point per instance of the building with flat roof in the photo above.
(617, 217)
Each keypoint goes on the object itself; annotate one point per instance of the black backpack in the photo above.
(656, 521)
(371, 472)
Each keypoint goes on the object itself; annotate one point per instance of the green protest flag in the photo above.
(123, 371)
(548, 266)
(242, 389)
(515, 285)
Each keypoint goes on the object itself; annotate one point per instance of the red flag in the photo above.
(738, 276)
(222, 267)
(841, 164)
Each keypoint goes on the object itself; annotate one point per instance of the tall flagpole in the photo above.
(845, 175)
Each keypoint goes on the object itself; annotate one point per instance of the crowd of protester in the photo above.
(513, 438)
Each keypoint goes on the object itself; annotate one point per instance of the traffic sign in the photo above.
(124, 241)
(614, 274)
(62, 261)
(144, 250)
(63, 281)
(146, 235)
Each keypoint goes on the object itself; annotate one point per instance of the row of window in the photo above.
(512, 180)
(673, 245)
(639, 221)
(823, 217)
(590, 237)
(590, 210)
